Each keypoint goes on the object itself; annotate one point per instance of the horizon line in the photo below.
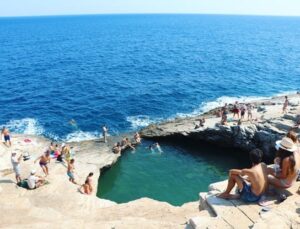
(167, 13)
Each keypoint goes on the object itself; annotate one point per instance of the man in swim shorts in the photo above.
(70, 171)
(6, 135)
(251, 183)
(44, 160)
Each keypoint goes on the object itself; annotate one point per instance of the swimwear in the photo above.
(247, 195)
(71, 175)
(43, 163)
(6, 138)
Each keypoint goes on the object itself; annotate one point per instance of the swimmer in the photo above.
(155, 146)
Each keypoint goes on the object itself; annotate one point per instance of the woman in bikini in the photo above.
(289, 165)
(44, 160)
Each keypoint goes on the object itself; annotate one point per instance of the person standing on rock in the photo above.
(15, 161)
(243, 111)
(249, 110)
(44, 160)
(252, 188)
(224, 113)
(236, 110)
(104, 133)
(70, 171)
(285, 105)
(6, 135)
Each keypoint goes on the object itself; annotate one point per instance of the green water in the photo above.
(176, 175)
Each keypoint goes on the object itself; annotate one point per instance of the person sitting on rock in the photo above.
(289, 164)
(137, 138)
(35, 181)
(201, 123)
(125, 143)
(85, 188)
(89, 181)
(251, 183)
(117, 148)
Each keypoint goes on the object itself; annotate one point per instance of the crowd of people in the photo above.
(239, 111)
(62, 154)
(127, 144)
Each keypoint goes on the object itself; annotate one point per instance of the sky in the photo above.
(72, 7)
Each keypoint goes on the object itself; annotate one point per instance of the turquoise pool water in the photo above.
(176, 175)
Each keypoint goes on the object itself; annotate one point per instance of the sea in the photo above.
(127, 71)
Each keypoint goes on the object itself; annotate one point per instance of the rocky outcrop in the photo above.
(59, 204)
(269, 125)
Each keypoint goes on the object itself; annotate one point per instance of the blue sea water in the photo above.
(130, 70)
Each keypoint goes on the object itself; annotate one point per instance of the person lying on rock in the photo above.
(251, 183)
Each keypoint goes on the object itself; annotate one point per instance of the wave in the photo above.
(140, 121)
(25, 126)
(79, 136)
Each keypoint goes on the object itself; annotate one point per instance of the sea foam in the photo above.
(25, 126)
(79, 136)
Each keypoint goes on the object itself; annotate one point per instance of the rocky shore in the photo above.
(60, 205)
(269, 125)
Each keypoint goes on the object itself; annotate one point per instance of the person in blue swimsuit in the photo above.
(251, 183)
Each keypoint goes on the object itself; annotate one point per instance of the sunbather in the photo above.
(251, 183)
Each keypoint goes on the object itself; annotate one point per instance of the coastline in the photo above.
(59, 204)
(269, 125)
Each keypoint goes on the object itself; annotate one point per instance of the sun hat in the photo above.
(286, 144)
(33, 172)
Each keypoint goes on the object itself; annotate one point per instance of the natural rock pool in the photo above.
(176, 175)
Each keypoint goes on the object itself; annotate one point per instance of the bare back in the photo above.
(258, 177)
